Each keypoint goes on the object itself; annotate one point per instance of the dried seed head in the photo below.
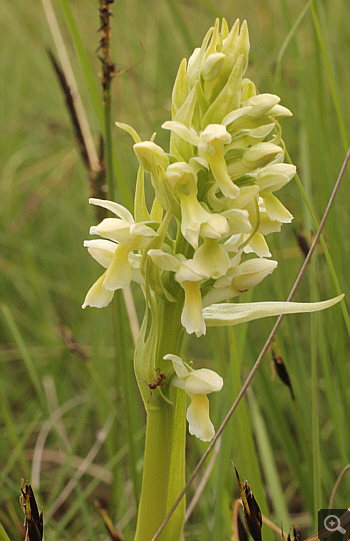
(252, 513)
(33, 520)
(302, 241)
(242, 531)
(113, 533)
(296, 533)
(281, 369)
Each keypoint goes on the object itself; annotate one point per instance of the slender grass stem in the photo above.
(96, 99)
(71, 80)
(336, 486)
(334, 90)
(316, 460)
(291, 33)
(27, 358)
(322, 240)
(84, 61)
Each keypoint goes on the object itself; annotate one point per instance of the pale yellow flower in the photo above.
(117, 257)
(197, 384)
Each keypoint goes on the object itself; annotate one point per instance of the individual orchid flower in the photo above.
(238, 279)
(272, 214)
(150, 155)
(154, 160)
(256, 111)
(197, 384)
(252, 158)
(266, 218)
(103, 251)
(190, 278)
(210, 143)
(211, 148)
(248, 244)
(195, 220)
(115, 256)
(273, 177)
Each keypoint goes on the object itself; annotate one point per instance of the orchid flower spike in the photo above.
(197, 384)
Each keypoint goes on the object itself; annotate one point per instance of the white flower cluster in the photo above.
(218, 181)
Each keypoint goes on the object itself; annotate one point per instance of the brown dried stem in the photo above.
(336, 486)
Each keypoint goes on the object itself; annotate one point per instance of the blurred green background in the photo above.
(53, 401)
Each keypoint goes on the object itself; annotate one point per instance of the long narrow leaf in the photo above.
(218, 315)
(3, 534)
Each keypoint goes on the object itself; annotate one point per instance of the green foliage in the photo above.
(3, 534)
(58, 391)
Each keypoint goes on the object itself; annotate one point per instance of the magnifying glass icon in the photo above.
(332, 524)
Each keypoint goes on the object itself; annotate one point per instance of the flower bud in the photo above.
(149, 155)
(213, 66)
(180, 89)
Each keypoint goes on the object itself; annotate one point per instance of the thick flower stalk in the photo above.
(217, 185)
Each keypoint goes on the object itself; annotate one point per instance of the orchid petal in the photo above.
(199, 423)
(275, 209)
(97, 296)
(181, 371)
(192, 315)
(212, 259)
(101, 250)
(163, 260)
(203, 381)
(187, 134)
(258, 245)
(118, 274)
(117, 209)
(131, 131)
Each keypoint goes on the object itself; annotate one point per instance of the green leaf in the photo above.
(218, 315)
(3, 534)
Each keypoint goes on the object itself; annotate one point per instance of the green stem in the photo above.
(316, 456)
(164, 464)
(177, 478)
(154, 494)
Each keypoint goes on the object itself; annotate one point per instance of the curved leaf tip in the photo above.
(219, 315)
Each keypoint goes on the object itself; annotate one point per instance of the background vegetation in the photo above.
(55, 401)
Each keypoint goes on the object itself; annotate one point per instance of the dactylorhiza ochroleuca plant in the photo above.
(203, 242)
